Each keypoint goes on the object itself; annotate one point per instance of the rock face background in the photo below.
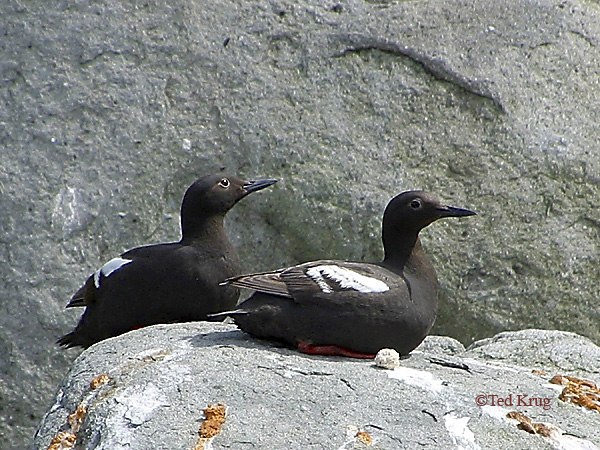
(110, 109)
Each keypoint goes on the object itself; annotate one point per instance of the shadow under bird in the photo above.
(170, 282)
(353, 308)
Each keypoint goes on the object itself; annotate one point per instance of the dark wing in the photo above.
(288, 282)
(267, 282)
(330, 277)
(83, 294)
(317, 277)
(87, 293)
(298, 282)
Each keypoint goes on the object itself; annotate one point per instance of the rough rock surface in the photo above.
(109, 109)
(160, 380)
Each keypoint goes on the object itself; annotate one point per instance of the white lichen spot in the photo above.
(139, 403)
(461, 435)
(108, 268)
(497, 412)
(132, 407)
(567, 442)
(346, 279)
(419, 378)
(387, 358)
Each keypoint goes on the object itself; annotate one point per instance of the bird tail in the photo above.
(67, 341)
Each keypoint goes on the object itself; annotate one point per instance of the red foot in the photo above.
(332, 350)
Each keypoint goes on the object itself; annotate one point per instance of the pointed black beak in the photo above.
(257, 185)
(451, 211)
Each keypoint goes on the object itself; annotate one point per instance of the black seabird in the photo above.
(171, 282)
(353, 308)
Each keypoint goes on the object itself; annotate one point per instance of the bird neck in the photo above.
(201, 228)
(399, 248)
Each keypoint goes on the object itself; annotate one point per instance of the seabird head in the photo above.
(411, 211)
(216, 194)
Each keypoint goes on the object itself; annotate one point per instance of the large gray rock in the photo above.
(110, 109)
(163, 377)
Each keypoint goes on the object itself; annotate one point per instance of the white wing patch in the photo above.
(108, 268)
(346, 278)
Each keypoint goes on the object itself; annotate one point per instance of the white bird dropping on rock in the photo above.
(387, 358)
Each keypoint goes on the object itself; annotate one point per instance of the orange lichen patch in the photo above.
(566, 379)
(539, 372)
(578, 391)
(76, 419)
(526, 424)
(202, 444)
(559, 379)
(546, 430)
(63, 441)
(518, 416)
(213, 422)
(365, 438)
(355, 436)
(66, 440)
(215, 418)
(100, 380)
(581, 396)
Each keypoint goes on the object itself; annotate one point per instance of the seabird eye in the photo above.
(224, 183)
(415, 204)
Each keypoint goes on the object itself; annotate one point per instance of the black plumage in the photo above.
(170, 282)
(353, 308)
